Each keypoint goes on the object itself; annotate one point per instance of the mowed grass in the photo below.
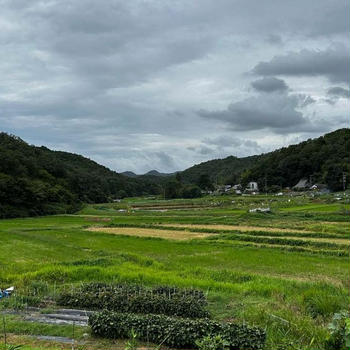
(293, 294)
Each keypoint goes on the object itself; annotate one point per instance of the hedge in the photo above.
(137, 289)
(175, 332)
(137, 299)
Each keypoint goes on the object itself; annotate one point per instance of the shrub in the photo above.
(339, 338)
(212, 343)
(175, 332)
(137, 299)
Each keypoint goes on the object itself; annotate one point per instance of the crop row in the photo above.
(137, 289)
(228, 231)
(339, 252)
(282, 241)
(175, 332)
(123, 298)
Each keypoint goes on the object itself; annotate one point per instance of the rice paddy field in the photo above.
(286, 271)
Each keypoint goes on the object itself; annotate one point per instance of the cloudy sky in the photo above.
(164, 84)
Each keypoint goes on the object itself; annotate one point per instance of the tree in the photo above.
(204, 182)
(191, 191)
(171, 189)
(178, 177)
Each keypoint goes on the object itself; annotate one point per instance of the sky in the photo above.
(164, 84)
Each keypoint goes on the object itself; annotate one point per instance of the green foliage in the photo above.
(175, 332)
(322, 303)
(38, 181)
(132, 343)
(339, 328)
(212, 343)
(191, 191)
(134, 298)
(225, 170)
(205, 183)
(172, 189)
(176, 189)
(324, 158)
(14, 347)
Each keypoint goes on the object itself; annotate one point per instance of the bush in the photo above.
(212, 343)
(137, 299)
(175, 332)
(339, 338)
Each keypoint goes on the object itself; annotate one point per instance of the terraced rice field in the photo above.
(286, 271)
(144, 232)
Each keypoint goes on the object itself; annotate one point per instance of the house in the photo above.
(303, 184)
(227, 188)
(253, 186)
(321, 188)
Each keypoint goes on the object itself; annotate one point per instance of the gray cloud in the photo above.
(229, 141)
(205, 150)
(274, 39)
(270, 84)
(120, 81)
(338, 92)
(277, 112)
(332, 63)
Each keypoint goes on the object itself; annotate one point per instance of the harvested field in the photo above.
(144, 232)
(236, 228)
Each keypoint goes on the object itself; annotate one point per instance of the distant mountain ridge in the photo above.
(129, 174)
(149, 173)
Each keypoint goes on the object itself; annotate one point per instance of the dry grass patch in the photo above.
(148, 232)
(265, 229)
(236, 228)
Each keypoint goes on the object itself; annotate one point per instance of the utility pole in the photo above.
(344, 181)
(265, 184)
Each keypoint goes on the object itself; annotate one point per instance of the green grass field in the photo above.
(286, 271)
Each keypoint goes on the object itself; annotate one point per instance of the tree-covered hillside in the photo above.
(38, 181)
(227, 170)
(326, 159)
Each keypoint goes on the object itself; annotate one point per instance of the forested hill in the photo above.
(37, 181)
(227, 170)
(324, 158)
